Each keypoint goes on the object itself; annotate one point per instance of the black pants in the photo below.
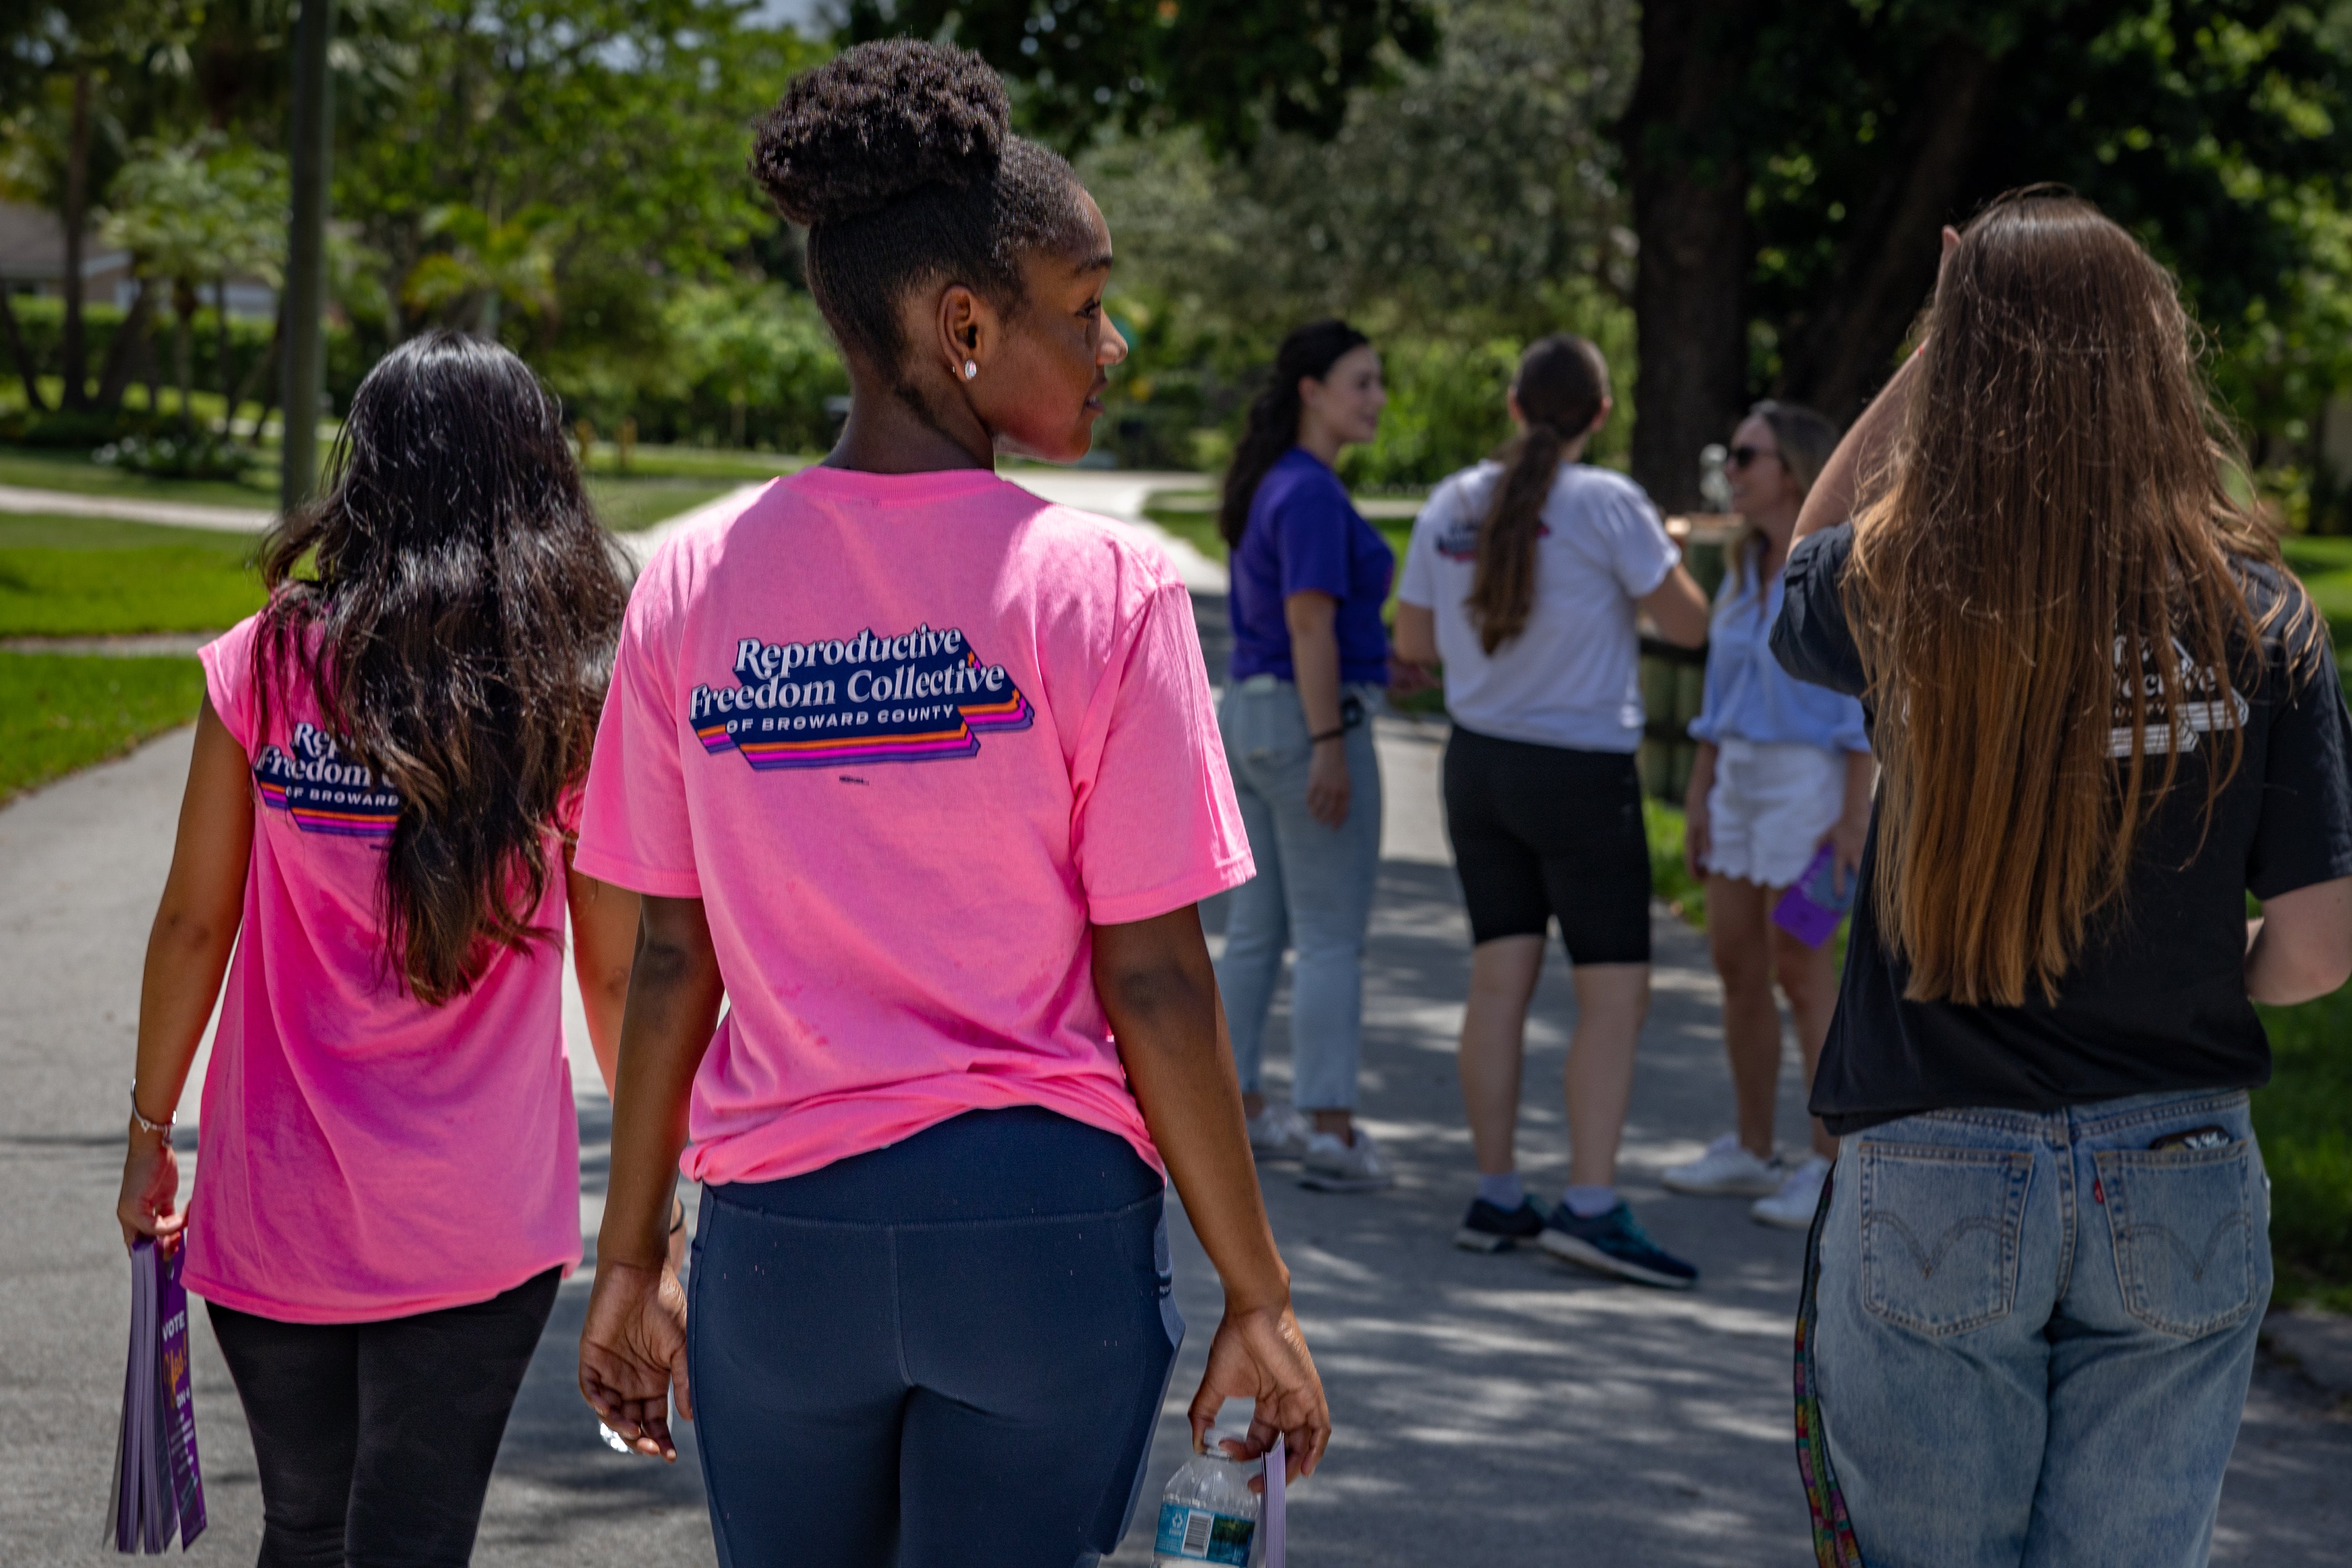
(375, 1440)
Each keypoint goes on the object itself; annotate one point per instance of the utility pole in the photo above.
(306, 255)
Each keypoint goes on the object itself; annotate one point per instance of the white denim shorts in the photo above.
(1769, 808)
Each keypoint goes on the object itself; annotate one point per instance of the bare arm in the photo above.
(2302, 947)
(187, 954)
(633, 1346)
(1416, 633)
(1862, 451)
(1679, 609)
(1696, 827)
(1850, 833)
(1311, 617)
(1160, 993)
(604, 948)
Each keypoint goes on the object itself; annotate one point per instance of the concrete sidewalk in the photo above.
(1496, 1411)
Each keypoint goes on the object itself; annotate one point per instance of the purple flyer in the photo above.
(178, 1393)
(1812, 908)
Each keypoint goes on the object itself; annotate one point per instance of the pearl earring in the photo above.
(970, 369)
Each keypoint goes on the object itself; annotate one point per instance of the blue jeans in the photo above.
(2035, 1332)
(1312, 891)
(950, 1353)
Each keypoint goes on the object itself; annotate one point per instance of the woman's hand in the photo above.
(1327, 787)
(633, 1352)
(1696, 830)
(1260, 1355)
(1846, 840)
(151, 1185)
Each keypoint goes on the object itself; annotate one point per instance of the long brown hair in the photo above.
(2043, 589)
(456, 638)
(1562, 382)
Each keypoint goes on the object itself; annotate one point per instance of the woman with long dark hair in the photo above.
(916, 771)
(378, 813)
(1310, 661)
(1782, 768)
(2105, 714)
(1525, 577)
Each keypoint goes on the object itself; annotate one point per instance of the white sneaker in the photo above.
(1331, 1166)
(1725, 1171)
(1278, 1133)
(1791, 1208)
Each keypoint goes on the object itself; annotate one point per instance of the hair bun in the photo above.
(877, 121)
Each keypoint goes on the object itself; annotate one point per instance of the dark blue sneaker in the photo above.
(1615, 1243)
(1486, 1229)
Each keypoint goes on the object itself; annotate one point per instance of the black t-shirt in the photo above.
(2157, 1000)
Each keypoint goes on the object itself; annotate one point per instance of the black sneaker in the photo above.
(1615, 1243)
(1486, 1229)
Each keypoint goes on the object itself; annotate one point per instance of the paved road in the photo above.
(1498, 1411)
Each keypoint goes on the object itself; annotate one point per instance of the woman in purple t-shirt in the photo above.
(1310, 659)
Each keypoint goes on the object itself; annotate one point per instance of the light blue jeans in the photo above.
(1312, 891)
(2035, 1332)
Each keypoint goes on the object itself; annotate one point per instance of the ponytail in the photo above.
(1273, 428)
(1561, 383)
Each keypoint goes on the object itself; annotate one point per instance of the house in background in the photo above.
(33, 261)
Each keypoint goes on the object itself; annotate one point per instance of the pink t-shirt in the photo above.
(905, 736)
(361, 1155)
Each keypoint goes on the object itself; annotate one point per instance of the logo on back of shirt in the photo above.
(916, 697)
(2207, 704)
(1459, 538)
(322, 791)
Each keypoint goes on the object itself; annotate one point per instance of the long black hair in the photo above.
(899, 157)
(1561, 383)
(457, 636)
(1273, 428)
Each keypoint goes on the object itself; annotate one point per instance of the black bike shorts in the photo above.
(1544, 832)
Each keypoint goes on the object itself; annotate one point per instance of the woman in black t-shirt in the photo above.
(2105, 712)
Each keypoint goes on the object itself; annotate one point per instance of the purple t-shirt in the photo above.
(1305, 536)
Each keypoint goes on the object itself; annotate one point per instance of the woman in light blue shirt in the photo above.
(1782, 768)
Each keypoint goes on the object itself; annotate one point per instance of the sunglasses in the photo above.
(1740, 457)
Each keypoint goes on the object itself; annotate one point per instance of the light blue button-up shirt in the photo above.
(1750, 697)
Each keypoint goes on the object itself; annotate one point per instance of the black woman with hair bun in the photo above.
(919, 772)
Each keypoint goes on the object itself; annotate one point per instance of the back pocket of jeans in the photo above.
(2183, 1223)
(1939, 1235)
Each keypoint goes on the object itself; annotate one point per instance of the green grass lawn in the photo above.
(712, 465)
(77, 576)
(43, 470)
(628, 504)
(2304, 1120)
(58, 713)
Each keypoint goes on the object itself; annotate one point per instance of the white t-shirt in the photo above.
(1571, 676)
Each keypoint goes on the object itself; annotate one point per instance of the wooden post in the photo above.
(305, 254)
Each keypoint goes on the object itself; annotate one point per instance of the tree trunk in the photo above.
(73, 350)
(227, 381)
(183, 352)
(123, 357)
(1844, 347)
(252, 374)
(1689, 182)
(21, 355)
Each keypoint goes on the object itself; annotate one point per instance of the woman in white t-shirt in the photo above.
(1523, 578)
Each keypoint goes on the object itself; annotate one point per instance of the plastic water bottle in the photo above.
(1208, 1514)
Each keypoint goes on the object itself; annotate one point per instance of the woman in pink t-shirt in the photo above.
(387, 763)
(920, 772)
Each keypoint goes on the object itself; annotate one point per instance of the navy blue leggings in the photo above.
(949, 1351)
